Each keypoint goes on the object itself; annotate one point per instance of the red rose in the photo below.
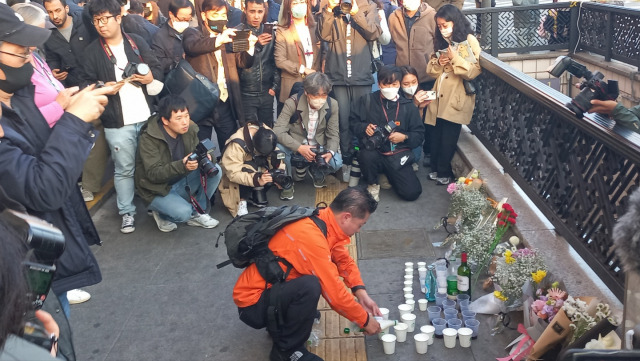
(507, 207)
(501, 223)
(514, 215)
(511, 220)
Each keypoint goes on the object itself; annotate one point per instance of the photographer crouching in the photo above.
(389, 126)
(251, 165)
(308, 130)
(175, 174)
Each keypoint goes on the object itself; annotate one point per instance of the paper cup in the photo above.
(404, 309)
(408, 278)
(429, 331)
(408, 271)
(422, 342)
(401, 331)
(434, 312)
(422, 273)
(385, 313)
(411, 303)
(422, 264)
(422, 304)
(464, 334)
(408, 265)
(408, 297)
(409, 283)
(410, 320)
(389, 343)
(450, 335)
(473, 325)
(407, 290)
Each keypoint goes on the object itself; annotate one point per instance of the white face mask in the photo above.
(180, 26)
(410, 90)
(411, 5)
(446, 32)
(299, 11)
(317, 103)
(390, 93)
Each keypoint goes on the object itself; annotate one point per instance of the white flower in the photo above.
(595, 345)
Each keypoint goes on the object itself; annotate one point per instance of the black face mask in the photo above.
(217, 26)
(16, 78)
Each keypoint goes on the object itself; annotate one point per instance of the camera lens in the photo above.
(143, 69)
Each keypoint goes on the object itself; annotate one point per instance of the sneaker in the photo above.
(203, 220)
(163, 225)
(374, 189)
(300, 354)
(242, 209)
(415, 167)
(433, 175)
(77, 296)
(443, 181)
(384, 181)
(318, 179)
(286, 194)
(87, 195)
(128, 223)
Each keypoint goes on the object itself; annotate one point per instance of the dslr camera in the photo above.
(318, 167)
(344, 8)
(380, 134)
(200, 155)
(135, 68)
(592, 87)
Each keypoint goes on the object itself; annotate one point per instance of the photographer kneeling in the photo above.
(309, 132)
(251, 165)
(389, 126)
(174, 172)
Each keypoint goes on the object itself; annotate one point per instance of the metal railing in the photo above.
(578, 172)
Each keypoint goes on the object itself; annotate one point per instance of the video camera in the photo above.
(592, 87)
(200, 154)
(380, 134)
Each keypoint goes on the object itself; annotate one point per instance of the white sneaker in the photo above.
(242, 209)
(87, 195)
(77, 296)
(415, 167)
(374, 189)
(128, 223)
(384, 181)
(163, 225)
(202, 220)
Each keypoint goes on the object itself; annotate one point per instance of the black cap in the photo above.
(14, 30)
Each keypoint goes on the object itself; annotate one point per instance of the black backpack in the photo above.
(247, 238)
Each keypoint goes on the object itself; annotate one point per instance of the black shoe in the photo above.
(296, 355)
(427, 161)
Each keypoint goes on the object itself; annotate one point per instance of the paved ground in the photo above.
(162, 297)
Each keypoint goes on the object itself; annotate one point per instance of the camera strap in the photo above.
(385, 112)
(192, 199)
(109, 53)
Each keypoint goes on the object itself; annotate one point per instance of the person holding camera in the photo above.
(627, 117)
(125, 62)
(251, 165)
(389, 127)
(308, 130)
(169, 159)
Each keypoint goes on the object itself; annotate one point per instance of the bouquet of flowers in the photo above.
(514, 269)
(582, 319)
(469, 203)
(549, 299)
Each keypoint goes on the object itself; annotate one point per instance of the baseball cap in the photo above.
(14, 30)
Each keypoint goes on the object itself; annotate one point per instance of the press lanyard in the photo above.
(393, 146)
(42, 71)
(107, 50)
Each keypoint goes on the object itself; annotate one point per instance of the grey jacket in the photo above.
(628, 117)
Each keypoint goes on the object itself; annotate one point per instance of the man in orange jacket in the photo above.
(318, 263)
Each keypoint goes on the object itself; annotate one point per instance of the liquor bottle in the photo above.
(430, 284)
(452, 279)
(464, 276)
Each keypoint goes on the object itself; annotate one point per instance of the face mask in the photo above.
(411, 5)
(16, 78)
(180, 26)
(390, 93)
(317, 103)
(410, 90)
(299, 11)
(446, 32)
(217, 26)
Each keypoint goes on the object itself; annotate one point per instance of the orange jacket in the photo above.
(304, 246)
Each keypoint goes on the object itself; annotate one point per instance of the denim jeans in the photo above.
(335, 163)
(123, 143)
(175, 206)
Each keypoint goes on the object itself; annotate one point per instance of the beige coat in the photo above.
(437, 4)
(289, 55)
(452, 103)
(293, 135)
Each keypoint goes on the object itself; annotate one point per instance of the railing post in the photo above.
(495, 34)
(609, 37)
(574, 35)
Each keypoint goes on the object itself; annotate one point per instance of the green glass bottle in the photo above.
(464, 276)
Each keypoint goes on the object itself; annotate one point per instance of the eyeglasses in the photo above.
(102, 20)
(24, 55)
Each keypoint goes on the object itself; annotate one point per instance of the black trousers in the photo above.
(444, 141)
(426, 145)
(405, 182)
(298, 301)
(260, 107)
(224, 122)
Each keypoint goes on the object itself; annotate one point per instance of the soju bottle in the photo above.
(464, 275)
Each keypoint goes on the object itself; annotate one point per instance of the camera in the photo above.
(259, 194)
(281, 178)
(135, 68)
(344, 8)
(200, 155)
(380, 134)
(318, 167)
(592, 87)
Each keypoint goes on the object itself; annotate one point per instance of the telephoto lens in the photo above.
(354, 177)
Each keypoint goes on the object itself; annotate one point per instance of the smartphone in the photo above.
(431, 95)
(242, 35)
(39, 278)
(268, 28)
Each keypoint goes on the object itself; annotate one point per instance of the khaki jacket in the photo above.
(413, 49)
(293, 135)
(452, 103)
(437, 4)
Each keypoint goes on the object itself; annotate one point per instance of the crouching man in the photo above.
(308, 129)
(174, 172)
(318, 265)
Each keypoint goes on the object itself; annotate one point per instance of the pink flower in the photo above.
(452, 188)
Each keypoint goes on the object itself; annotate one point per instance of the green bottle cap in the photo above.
(346, 330)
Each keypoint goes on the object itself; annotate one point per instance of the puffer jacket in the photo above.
(263, 74)
(155, 168)
(452, 103)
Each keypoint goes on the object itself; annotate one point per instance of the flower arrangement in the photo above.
(469, 203)
(581, 320)
(549, 300)
(514, 269)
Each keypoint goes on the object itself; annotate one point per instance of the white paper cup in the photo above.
(408, 271)
(401, 331)
(404, 309)
(450, 335)
(385, 313)
(411, 303)
(408, 297)
(409, 283)
(389, 344)
(422, 342)
(422, 264)
(407, 291)
(430, 331)
(408, 278)
(422, 273)
(410, 320)
(408, 265)
(465, 336)
(422, 304)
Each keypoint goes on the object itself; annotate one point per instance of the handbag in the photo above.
(200, 93)
(469, 86)
(399, 158)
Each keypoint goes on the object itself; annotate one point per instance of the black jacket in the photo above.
(373, 109)
(134, 24)
(40, 169)
(98, 67)
(167, 47)
(263, 74)
(62, 54)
